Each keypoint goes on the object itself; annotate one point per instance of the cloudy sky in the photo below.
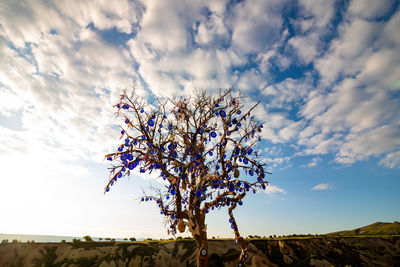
(327, 74)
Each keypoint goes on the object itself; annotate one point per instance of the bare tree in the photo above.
(203, 148)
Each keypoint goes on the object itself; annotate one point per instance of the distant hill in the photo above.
(378, 228)
(47, 238)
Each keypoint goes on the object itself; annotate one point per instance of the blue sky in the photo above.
(327, 74)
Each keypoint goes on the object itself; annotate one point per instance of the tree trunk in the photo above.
(202, 244)
(202, 250)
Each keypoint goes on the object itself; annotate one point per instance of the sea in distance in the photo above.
(52, 238)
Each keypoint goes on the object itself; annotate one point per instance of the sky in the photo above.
(326, 73)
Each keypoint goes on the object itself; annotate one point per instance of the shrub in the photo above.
(88, 238)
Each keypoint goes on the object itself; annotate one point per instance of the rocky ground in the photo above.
(326, 251)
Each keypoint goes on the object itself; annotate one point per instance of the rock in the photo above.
(352, 251)
(287, 259)
(320, 263)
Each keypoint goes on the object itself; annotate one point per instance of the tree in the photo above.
(87, 238)
(204, 147)
(132, 239)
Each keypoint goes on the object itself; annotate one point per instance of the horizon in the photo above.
(141, 238)
(326, 75)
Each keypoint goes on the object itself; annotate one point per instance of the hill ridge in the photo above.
(376, 228)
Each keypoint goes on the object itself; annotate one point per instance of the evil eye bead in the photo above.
(245, 161)
(126, 121)
(150, 123)
(213, 134)
(203, 252)
(238, 112)
(210, 153)
(251, 172)
(250, 151)
(142, 110)
(109, 158)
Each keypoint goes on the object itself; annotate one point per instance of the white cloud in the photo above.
(320, 187)
(273, 189)
(371, 143)
(289, 91)
(313, 163)
(58, 73)
(256, 25)
(392, 160)
(370, 9)
(305, 46)
(212, 32)
(320, 12)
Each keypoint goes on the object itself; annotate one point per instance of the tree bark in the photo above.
(202, 243)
